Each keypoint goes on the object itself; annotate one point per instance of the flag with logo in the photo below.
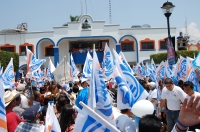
(89, 121)
(137, 90)
(168, 71)
(182, 71)
(153, 65)
(29, 57)
(87, 69)
(196, 61)
(125, 62)
(98, 92)
(50, 70)
(160, 72)
(124, 95)
(9, 75)
(108, 63)
(3, 122)
(191, 74)
(51, 122)
(35, 64)
(75, 70)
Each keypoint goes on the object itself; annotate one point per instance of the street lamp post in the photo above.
(167, 9)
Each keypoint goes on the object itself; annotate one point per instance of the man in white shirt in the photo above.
(174, 96)
(188, 89)
(25, 101)
(153, 96)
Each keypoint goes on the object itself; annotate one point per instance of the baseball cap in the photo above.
(30, 113)
(152, 84)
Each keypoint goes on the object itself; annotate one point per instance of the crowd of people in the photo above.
(85, 50)
(174, 106)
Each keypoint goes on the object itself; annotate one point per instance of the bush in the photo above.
(5, 59)
(158, 58)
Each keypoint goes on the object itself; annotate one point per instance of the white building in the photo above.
(137, 43)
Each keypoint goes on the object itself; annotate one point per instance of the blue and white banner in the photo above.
(125, 62)
(3, 121)
(75, 70)
(182, 70)
(89, 121)
(36, 64)
(153, 65)
(168, 71)
(99, 98)
(87, 69)
(124, 95)
(137, 90)
(108, 63)
(9, 75)
(196, 61)
(160, 72)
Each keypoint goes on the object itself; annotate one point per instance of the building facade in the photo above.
(137, 43)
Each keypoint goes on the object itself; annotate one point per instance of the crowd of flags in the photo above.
(99, 100)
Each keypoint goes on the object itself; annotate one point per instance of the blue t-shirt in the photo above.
(82, 96)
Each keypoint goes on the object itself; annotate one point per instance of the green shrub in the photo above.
(5, 59)
(158, 58)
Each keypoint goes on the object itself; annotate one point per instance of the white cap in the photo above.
(83, 80)
(152, 84)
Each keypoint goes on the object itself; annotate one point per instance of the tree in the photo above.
(74, 18)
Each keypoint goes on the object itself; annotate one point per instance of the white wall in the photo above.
(74, 29)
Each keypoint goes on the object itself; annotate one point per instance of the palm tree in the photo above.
(74, 18)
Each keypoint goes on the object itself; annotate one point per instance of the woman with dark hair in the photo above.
(67, 119)
(62, 100)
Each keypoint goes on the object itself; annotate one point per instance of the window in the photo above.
(22, 48)
(163, 45)
(127, 45)
(49, 51)
(147, 44)
(9, 48)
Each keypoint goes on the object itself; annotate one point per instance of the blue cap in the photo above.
(30, 113)
(66, 87)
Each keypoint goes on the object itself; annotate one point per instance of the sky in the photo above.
(43, 15)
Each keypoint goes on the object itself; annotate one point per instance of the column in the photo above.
(56, 55)
(118, 47)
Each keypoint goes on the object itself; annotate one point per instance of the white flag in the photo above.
(51, 122)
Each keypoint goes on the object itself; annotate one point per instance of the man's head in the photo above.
(10, 98)
(169, 84)
(188, 88)
(150, 123)
(37, 95)
(127, 112)
(152, 85)
(32, 114)
(84, 84)
(18, 100)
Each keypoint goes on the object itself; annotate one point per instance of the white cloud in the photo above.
(193, 32)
